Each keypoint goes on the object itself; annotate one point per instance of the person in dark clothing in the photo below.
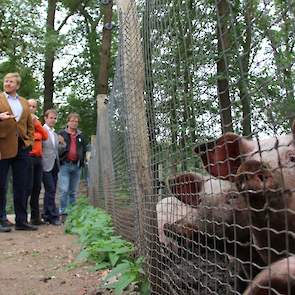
(50, 164)
(72, 158)
(35, 173)
(17, 129)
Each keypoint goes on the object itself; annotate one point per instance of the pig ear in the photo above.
(222, 157)
(186, 187)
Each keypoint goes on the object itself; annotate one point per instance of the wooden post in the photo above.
(92, 170)
(137, 137)
(105, 151)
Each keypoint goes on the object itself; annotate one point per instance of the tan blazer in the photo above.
(10, 129)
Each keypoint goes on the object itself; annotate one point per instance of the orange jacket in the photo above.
(39, 134)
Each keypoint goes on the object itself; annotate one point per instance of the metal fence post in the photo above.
(137, 136)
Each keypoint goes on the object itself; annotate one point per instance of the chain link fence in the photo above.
(194, 151)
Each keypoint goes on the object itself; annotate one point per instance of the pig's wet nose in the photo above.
(243, 186)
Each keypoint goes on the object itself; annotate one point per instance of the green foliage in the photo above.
(52, 40)
(29, 85)
(71, 4)
(128, 272)
(102, 246)
(23, 41)
(21, 31)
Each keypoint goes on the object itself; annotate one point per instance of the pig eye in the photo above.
(262, 177)
(291, 156)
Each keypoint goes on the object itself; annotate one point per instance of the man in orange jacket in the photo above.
(35, 173)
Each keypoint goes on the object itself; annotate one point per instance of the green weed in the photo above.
(107, 250)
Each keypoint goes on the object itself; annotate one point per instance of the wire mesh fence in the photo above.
(194, 152)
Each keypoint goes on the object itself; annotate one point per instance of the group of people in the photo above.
(36, 153)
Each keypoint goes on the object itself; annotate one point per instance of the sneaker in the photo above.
(55, 222)
(45, 219)
(4, 229)
(6, 223)
(25, 226)
(63, 218)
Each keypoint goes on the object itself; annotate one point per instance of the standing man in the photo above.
(72, 158)
(35, 173)
(50, 163)
(16, 140)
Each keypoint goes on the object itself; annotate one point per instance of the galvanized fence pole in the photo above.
(137, 136)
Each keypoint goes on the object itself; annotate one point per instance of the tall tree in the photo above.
(52, 43)
(91, 23)
(49, 55)
(222, 65)
(95, 26)
(244, 64)
(105, 48)
(282, 42)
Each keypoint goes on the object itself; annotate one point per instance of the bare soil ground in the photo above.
(38, 263)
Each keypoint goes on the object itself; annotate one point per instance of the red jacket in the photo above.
(39, 134)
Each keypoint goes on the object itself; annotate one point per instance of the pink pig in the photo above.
(264, 172)
(278, 278)
(208, 211)
(187, 191)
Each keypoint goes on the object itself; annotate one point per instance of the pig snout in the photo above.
(254, 176)
(170, 210)
(178, 230)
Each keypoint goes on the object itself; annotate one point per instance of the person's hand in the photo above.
(61, 140)
(6, 116)
(34, 117)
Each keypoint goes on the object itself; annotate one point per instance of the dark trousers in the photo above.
(20, 167)
(34, 186)
(50, 182)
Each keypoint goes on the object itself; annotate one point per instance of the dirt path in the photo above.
(37, 263)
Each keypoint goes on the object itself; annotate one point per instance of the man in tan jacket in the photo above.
(16, 140)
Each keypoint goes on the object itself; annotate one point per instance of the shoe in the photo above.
(25, 226)
(55, 222)
(63, 218)
(37, 222)
(6, 223)
(4, 229)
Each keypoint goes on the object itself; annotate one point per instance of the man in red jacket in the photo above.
(34, 186)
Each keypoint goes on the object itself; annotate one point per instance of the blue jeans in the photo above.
(68, 179)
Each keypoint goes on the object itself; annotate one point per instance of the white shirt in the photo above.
(51, 134)
(15, 105)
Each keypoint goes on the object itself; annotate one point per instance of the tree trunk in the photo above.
(287, 68)
(105, 50)
(243, 83)
(49, 57)
(222, 65)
